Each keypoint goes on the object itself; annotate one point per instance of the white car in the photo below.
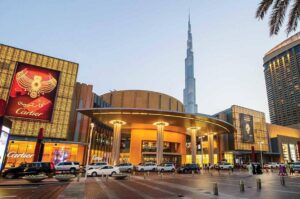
(97, 165)
(106, 170)
(125, 167)
(166, 167)
(225, 166)
(272, 165)
(146, 167)
(67, 166)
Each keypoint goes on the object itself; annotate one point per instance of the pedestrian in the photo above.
(250, 169)
(254, 169)
(280, 170)
(292, 171)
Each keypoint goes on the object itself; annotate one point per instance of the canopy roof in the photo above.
(134, 116)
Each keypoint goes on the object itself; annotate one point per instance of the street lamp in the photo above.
(261, 156)
(89, 148)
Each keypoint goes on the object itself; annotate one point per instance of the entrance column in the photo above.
(193, 132)
(116, 141)
(210, 137)
(160, 141)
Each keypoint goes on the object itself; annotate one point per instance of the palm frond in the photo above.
(277, 16)
(294, 16)
(262, 9)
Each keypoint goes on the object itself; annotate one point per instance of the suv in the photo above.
(166, 167)
(68, 166)
(148, 166)
(189, 168)
(296, 166)
(29, 169)
(125, 167)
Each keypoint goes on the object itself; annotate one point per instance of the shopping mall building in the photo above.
(41, 92)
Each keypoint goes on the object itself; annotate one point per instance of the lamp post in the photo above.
(261, 156)
(89, 149)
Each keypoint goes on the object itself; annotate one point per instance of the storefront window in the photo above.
(285, 152)
(148, 146)
(171, 147)
(293, 152)
(23, 152)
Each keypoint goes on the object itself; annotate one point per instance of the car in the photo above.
(166, 167)
(148, 166)
(189, 168)
(97, 165)
(296, 166)
(125, 167)
(271, 165)
(106, 170)
(67, 166)
(225, 166)
(33, 168)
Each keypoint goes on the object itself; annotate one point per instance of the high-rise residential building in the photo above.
(282, 75)
(189, 92)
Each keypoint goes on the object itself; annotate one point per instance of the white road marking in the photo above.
(108, 192)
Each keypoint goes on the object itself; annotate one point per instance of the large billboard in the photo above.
(246, 125)
(32, 93)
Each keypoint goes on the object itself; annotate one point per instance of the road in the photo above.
(170, 186)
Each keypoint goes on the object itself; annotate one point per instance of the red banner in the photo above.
(32, 93)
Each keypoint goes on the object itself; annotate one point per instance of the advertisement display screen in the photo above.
(246, 125)
(32, 93)
(3, 143)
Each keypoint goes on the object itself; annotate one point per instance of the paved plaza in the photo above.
(157, 186)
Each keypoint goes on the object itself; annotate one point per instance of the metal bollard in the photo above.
(193, 173)
(148, 173)
(258, 183)
(102, 176)
(161, 176)
(215, 189)
(78, 177)
(133, 173)
(144, 176)
(242, 186)
(106, 178)
(282, 181)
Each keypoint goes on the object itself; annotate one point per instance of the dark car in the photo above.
(29, 169)
(188, 168)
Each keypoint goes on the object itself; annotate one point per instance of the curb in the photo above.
(32, 184)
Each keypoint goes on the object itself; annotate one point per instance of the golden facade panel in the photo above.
(57, 128)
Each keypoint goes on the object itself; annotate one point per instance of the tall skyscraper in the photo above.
(189, 92)
(282, 74)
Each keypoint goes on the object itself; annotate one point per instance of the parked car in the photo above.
(148, 166)
(225, 166)
(97, 165)
(296, 166)
(125, 167)
(271, 165)
(166, 167)
(189, 168)
(106, 170)
(67, 166)
(33, 168)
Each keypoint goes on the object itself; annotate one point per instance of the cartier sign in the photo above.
(32, 93)
(19, 155)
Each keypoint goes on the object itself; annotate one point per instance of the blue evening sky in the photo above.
(140, 44)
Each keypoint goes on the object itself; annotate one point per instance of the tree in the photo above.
(279, 10)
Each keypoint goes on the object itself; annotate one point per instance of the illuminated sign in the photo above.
(32, 93)
(246, 125)
(3, 143)
(19, 155)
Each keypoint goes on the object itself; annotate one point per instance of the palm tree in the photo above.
(279, 10)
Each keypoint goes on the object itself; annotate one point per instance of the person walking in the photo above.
(250, 169)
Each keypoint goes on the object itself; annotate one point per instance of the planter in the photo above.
(120, 176)
(35, 178)
(64, 177)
